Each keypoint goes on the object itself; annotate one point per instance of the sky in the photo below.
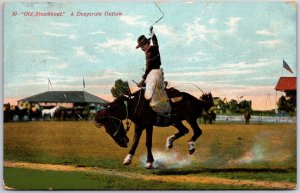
(233, 49)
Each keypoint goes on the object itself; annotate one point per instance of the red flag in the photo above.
(287, 67)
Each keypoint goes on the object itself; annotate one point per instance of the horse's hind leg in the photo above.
(197, 133)
(182, 131)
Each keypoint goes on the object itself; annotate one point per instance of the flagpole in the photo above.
(83, 84)
(49, 83)
(282, 68)
(276, 106)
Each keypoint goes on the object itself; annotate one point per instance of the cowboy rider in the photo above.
(153, 79)
(151, 52)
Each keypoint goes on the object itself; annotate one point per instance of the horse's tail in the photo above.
(205, 102)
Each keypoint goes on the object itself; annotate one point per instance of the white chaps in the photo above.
(156, 91)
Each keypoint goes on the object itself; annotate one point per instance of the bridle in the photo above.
(120, 120)
(111, 117)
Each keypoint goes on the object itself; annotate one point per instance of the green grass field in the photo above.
(233, 151)
(26, 179)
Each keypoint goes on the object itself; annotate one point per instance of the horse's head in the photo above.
(113, 126)
(207, 100)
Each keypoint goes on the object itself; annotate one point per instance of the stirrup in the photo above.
(169, 115)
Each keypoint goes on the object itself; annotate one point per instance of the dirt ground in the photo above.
(161, 178)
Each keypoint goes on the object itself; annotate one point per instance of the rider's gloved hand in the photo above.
(141, 84)
(151, 31)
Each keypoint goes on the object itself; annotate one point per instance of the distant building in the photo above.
(287, 85)
(76, 98)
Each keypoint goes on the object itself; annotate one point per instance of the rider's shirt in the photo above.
(152, 57)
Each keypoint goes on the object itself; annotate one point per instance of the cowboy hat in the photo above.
(142, 40)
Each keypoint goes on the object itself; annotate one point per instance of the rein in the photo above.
(115, 133)
(112, 117)
(128, 125)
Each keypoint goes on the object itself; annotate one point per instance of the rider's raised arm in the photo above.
(154, 40)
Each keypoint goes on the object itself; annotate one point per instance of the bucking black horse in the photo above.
(137, 109)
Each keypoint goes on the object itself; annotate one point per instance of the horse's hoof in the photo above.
(149, 165)
(170, 140)
(127, 159)
(191, 147)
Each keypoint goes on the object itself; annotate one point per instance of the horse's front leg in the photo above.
(137, 135)
(182, 130)
(197, 133)
(149, 135)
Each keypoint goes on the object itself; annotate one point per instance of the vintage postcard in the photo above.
(156, 95)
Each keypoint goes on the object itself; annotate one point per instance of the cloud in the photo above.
(51, 58)
(134, 20)
(196, 30)
(79, 51)
(226, 69)
(270, 43)
(42, 74)
(215, 73)
(70, 36)
(129, 35)
(97, 32)
(264, 32)
(54, 34)
(244, 65)
(109, 75)
(73, 37)
(36, 51)
(27, 35)
(167, 31)
(61, 65)
(198, 57)
(120, 47)
(63, 25)
(212, 21)
(232, 24)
